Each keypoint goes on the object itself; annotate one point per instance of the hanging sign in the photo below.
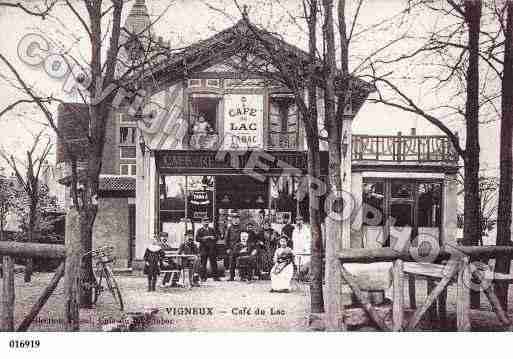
(243, 121)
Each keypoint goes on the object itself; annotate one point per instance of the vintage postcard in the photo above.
(255, 166)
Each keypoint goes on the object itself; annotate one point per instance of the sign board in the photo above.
(199, 204)
(243, 121)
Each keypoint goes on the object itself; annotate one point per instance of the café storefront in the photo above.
(257, 185)
(240, 146)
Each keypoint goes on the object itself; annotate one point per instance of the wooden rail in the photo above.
(32, 250)
(457, 270)
(10, 250)
(387, 254)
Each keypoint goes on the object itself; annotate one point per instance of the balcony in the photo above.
(283, 140)
(403, 149)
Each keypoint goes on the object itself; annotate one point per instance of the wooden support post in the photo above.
(411, 292)
(463, 299)
(348, 277)
(72, 272)
(432, 311)
(34, 311)
(398, 296)
(440, 287)
(442, 308)
(8, 294)
(496, 305)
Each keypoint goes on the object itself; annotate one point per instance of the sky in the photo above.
(187, 21)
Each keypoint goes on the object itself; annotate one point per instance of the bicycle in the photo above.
(103, 257)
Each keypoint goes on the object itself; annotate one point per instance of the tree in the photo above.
(7, 199)
(505, 186)
(104, 84)
(33, 194)
(488, 194)
(457, 69)
(298, 76)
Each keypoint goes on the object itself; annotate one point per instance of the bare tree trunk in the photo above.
(8, 296)
(333, 302)
(29, 262)
(314, 170)
(86, 265)
(505, 185)
(472, 214)
(72, 287)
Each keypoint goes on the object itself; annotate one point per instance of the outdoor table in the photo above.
(182, 261)
(299, 257)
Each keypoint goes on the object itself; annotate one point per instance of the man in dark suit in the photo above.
(231, 238)
(206, 237)
(244, 254)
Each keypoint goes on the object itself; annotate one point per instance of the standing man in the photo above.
(302, 239)
(231, 238)
(287, 230)
(206, 237)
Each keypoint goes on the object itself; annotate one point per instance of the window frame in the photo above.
(414, 202)
(292, 105)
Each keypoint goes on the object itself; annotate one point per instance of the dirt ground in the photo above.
(215, 306)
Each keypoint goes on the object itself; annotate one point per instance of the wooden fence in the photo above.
(456, 268)
(9, 251)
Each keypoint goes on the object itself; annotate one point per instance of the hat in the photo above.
(235, 215)
(189, 232)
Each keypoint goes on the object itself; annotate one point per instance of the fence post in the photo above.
(463, 299)
(8, 294)
(398, 297)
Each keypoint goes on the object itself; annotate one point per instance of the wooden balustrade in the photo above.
(283, 140)
(403, 148)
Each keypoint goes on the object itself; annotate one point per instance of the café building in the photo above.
(216, 139)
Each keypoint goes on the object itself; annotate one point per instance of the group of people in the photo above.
(263, 253)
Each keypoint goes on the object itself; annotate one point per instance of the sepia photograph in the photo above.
(262, 166)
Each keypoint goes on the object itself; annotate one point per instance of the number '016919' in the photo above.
(24, 344)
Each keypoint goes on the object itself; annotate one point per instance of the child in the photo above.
(201, 126)
(152, 262)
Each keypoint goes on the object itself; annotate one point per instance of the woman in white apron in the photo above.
(283, 269)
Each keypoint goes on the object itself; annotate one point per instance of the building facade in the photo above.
(215, 138)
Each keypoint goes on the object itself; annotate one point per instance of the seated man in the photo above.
(192, 264)
(245, 257)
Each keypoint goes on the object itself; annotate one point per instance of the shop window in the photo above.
(402, 213)
(127, 135)
(283, 200)
(429, 204)
(283, 122)
(402, 190)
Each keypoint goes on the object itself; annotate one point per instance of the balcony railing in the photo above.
(283, 140)
(403, 149)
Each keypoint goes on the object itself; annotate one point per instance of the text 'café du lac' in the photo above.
(155, 180)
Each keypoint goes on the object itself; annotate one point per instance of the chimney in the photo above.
(413, 131)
